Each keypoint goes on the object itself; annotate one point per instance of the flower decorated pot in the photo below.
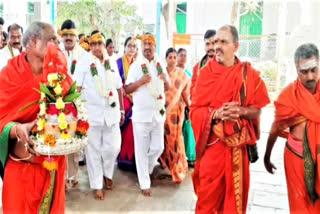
(52, 120)
(64, 132)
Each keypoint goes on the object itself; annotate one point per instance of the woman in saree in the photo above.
(177, 98)
(126, 159)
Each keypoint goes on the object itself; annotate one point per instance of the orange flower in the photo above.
(82, 127)
(34, 130)
(50, 140)
(50, 164)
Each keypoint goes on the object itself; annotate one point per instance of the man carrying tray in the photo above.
(28, 186)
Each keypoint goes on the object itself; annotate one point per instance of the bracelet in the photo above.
(122, 111)
(16, 127)
(214, 115)
(20, 159)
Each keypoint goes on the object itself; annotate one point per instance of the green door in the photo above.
(181, 18)
(251, 25)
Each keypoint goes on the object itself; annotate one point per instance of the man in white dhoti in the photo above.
(74, 54)
(147, 80)
(101, 87)
(14, 47)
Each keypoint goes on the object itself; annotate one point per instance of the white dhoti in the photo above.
(104, 144)
(148, 146)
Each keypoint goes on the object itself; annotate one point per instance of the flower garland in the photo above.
(75, 52)
(54, 81)
(158, 91)
(110, 91)
(52, 102)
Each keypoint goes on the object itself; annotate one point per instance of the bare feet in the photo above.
(99, 194)
(146, 192)
(153, 177)
(108, 184)
(72, 183)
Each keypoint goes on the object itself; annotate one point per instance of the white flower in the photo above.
(42, 108)
(43, 95)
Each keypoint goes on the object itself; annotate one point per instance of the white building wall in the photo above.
(207, 14)
(15, 11)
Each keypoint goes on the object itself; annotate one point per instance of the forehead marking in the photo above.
(308, 64)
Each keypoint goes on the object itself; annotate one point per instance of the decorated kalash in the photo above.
(62, 125)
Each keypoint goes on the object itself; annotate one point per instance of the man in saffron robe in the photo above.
(297, 118)
(225, 113)
(28, 187)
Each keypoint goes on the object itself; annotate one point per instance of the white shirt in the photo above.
(144, 104)
(5, 55)
(78, 54)
(98, 107)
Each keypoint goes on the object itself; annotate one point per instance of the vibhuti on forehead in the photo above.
(309, 64)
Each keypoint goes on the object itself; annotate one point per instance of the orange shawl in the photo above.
(294, 105)
(17, 85)
(216, 85)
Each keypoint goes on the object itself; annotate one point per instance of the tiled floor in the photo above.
(268, 193)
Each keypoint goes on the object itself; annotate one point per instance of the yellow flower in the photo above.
(42, 108)
(50, 164)
(63, 125)
(52, 77)
(62, 117)
(40, 124)
(65, 136)
(43, 95)
(59, 103)
(58, 89)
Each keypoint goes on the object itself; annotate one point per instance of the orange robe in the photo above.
(25, 185)
(221, 176)
(174, 155)
(294, 105)
(195, 74)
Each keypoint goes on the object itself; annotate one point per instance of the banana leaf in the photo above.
(28, 105)
(45, 90)
(72, 88)
(72, 97)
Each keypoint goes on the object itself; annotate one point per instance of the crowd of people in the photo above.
(143, 112)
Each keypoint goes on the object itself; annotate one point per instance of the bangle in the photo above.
(20, 159)
(214, 115)
(16, 127)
